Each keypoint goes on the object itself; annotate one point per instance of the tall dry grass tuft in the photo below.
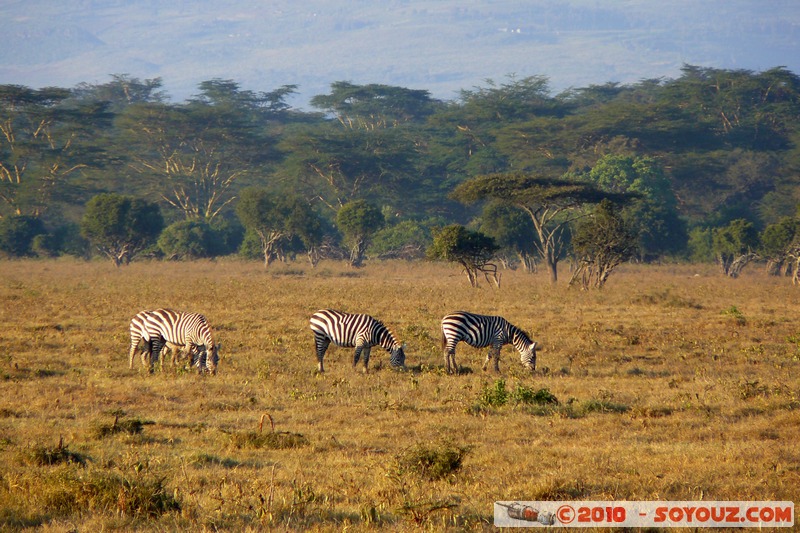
(671, 383)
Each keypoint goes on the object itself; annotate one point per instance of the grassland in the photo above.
(672, 383)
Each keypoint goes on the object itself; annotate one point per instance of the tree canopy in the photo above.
(471, 249)
(547, 201)
(699, 151)
(121, 226)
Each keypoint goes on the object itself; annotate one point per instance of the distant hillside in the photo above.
(441, 46)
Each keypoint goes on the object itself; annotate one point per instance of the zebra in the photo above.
(480, 331)
(358, 331)
(140, 335)
(191, 330)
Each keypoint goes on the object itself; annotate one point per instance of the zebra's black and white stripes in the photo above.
(481, 331)
(167, 327)
(361, 332)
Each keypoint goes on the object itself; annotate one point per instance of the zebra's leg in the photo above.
(497, 359)
(449, 349)
(488, 360)
(365, 354)
(147, 352)
(321, 343)
(204, 362)
(177, 353)
(449, 356)
(135, 339)
(494, 353)
(155, 351)
(450, 359)
(199, 357)
(163, 355)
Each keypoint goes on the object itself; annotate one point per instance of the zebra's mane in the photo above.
(517, 335)
(385, 336)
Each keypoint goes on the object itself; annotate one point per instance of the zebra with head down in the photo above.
(188, 332)
(480, 331)
(358, 331)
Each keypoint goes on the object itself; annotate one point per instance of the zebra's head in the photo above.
(397, 356)
(528, 358)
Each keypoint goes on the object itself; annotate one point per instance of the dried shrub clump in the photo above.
(273, 441)
(131, 426)
(38, 455)
(432, 462)
(140, 497)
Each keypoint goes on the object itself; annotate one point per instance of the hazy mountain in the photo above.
(438, 45)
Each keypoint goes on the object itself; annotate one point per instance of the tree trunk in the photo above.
(528, 262)
(357, 254)
(313, 256)
(552, 267)
(738, 264)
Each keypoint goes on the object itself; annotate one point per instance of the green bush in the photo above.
(527, 396)
(496, 395)
(187, 239)
(17, 234)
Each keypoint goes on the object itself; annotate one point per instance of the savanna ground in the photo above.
(672, 383)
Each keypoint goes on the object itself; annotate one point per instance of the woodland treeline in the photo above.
(708, 160)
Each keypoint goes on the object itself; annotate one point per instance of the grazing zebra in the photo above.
(140, 335)
(361, 332)
(480, 331)
(191, 330)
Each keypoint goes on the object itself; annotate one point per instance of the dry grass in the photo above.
(672, 383)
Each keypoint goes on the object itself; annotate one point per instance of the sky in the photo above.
(442, 46)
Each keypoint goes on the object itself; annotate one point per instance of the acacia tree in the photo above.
(653, 211)
(601, 242)
(374, 106)
(305, 224)
(197, 152)
(552, 205)
(359, 221)
(274, 218)
(340, 164)
(777, 243)
(471, 249)
(512, 230)
(45, 138)
(734, 246)
(121, 226)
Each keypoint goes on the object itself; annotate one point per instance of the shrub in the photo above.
(528, 396)
(47, 456)
(131, 426)
(736, 315)
(187, 239)
(497, 395)
(141, 497)
(433, 462)
(274, 440)
(494, 396)
(17, 234)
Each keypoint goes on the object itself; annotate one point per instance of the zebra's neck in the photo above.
(519, 339)
(385, 338)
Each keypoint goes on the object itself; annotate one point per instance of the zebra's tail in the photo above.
(444, 341)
